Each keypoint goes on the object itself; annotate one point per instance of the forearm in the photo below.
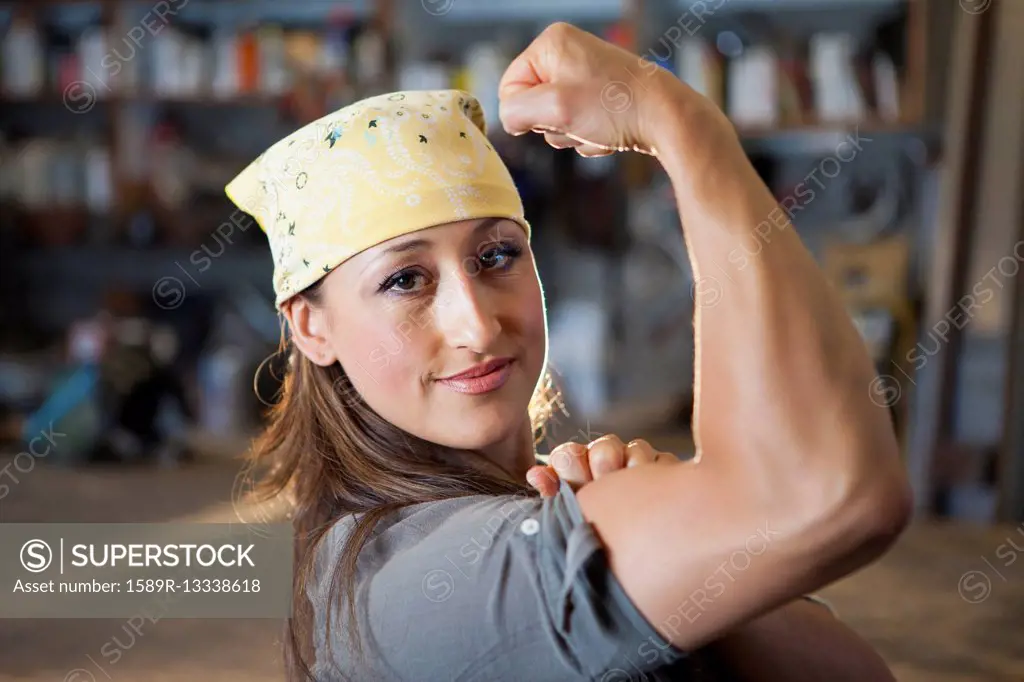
(791, 374)
(801, 642)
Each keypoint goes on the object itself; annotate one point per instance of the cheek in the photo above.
(535, 315)
(532, 319)
(382, 355)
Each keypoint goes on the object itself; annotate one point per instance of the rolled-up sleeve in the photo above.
(501, 588)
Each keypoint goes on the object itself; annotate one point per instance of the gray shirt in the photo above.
(490, 588)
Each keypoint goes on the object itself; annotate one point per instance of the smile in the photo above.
(475, 383)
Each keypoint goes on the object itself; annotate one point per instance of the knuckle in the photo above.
(580, 462)
(559, 29)
(609, 438)
(544, 475)
(608, 459)
(563, 456)
(607, 449)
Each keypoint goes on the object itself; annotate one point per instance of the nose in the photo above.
(463, 314)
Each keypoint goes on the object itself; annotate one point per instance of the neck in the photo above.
(515, 453)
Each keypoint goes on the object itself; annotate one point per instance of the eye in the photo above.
(500, 256)
(404, 280)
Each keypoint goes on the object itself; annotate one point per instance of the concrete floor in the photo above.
(927, 619)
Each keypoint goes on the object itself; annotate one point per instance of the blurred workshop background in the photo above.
(137, 330)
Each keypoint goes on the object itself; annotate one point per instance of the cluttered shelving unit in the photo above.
(158, 104)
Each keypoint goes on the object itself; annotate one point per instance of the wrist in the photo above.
(690, 135)
(662, 120)
(702, 154)
(675, 108)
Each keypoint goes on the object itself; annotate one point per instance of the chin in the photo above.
(475, 424)
(481, 426)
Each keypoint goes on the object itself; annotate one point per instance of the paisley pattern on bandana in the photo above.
(374, 170)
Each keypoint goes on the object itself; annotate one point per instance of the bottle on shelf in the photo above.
(225, 58)
(753, 92)
(91, 49)
(837, 95)
(23, 59)
(701, 67)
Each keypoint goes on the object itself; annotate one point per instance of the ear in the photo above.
(310, 332)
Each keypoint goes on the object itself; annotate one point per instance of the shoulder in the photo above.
(436, 521)
(420, 538)
(512, 587)
(430, 562)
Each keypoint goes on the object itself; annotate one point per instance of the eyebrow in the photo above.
(414, 244)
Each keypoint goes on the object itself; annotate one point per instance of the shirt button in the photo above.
(529, 527)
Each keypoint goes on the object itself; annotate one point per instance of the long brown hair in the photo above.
(330, 455)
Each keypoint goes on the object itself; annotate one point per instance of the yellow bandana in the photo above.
(374, 170)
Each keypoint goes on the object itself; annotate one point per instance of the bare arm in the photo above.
(797, 480)
(790, 446)
(801, 642)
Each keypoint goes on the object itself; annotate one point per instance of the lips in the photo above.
(480, 370)
(482, 378)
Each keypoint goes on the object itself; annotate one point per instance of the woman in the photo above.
(417, 383)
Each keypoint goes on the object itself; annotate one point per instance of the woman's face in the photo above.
(408, 318)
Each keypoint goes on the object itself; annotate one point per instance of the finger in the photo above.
(640, 452)
(666, 458)
(571, 463)
(533, 65)
(559, 141)
(607, 454)
(521, 74)
(544, 479)
(590, 151)
(547, 105)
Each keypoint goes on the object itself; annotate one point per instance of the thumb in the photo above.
(544, 479)
(550, 107)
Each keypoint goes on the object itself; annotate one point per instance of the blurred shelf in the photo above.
(215, 9)
(52, 98)
(53, 3)
(46, 99)
(207, 101)
(144, 269)
(807, 5)
(8, 4)
(522, 10)
(874, 125)
(306, 12)
(823, 138)
(809, 138)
